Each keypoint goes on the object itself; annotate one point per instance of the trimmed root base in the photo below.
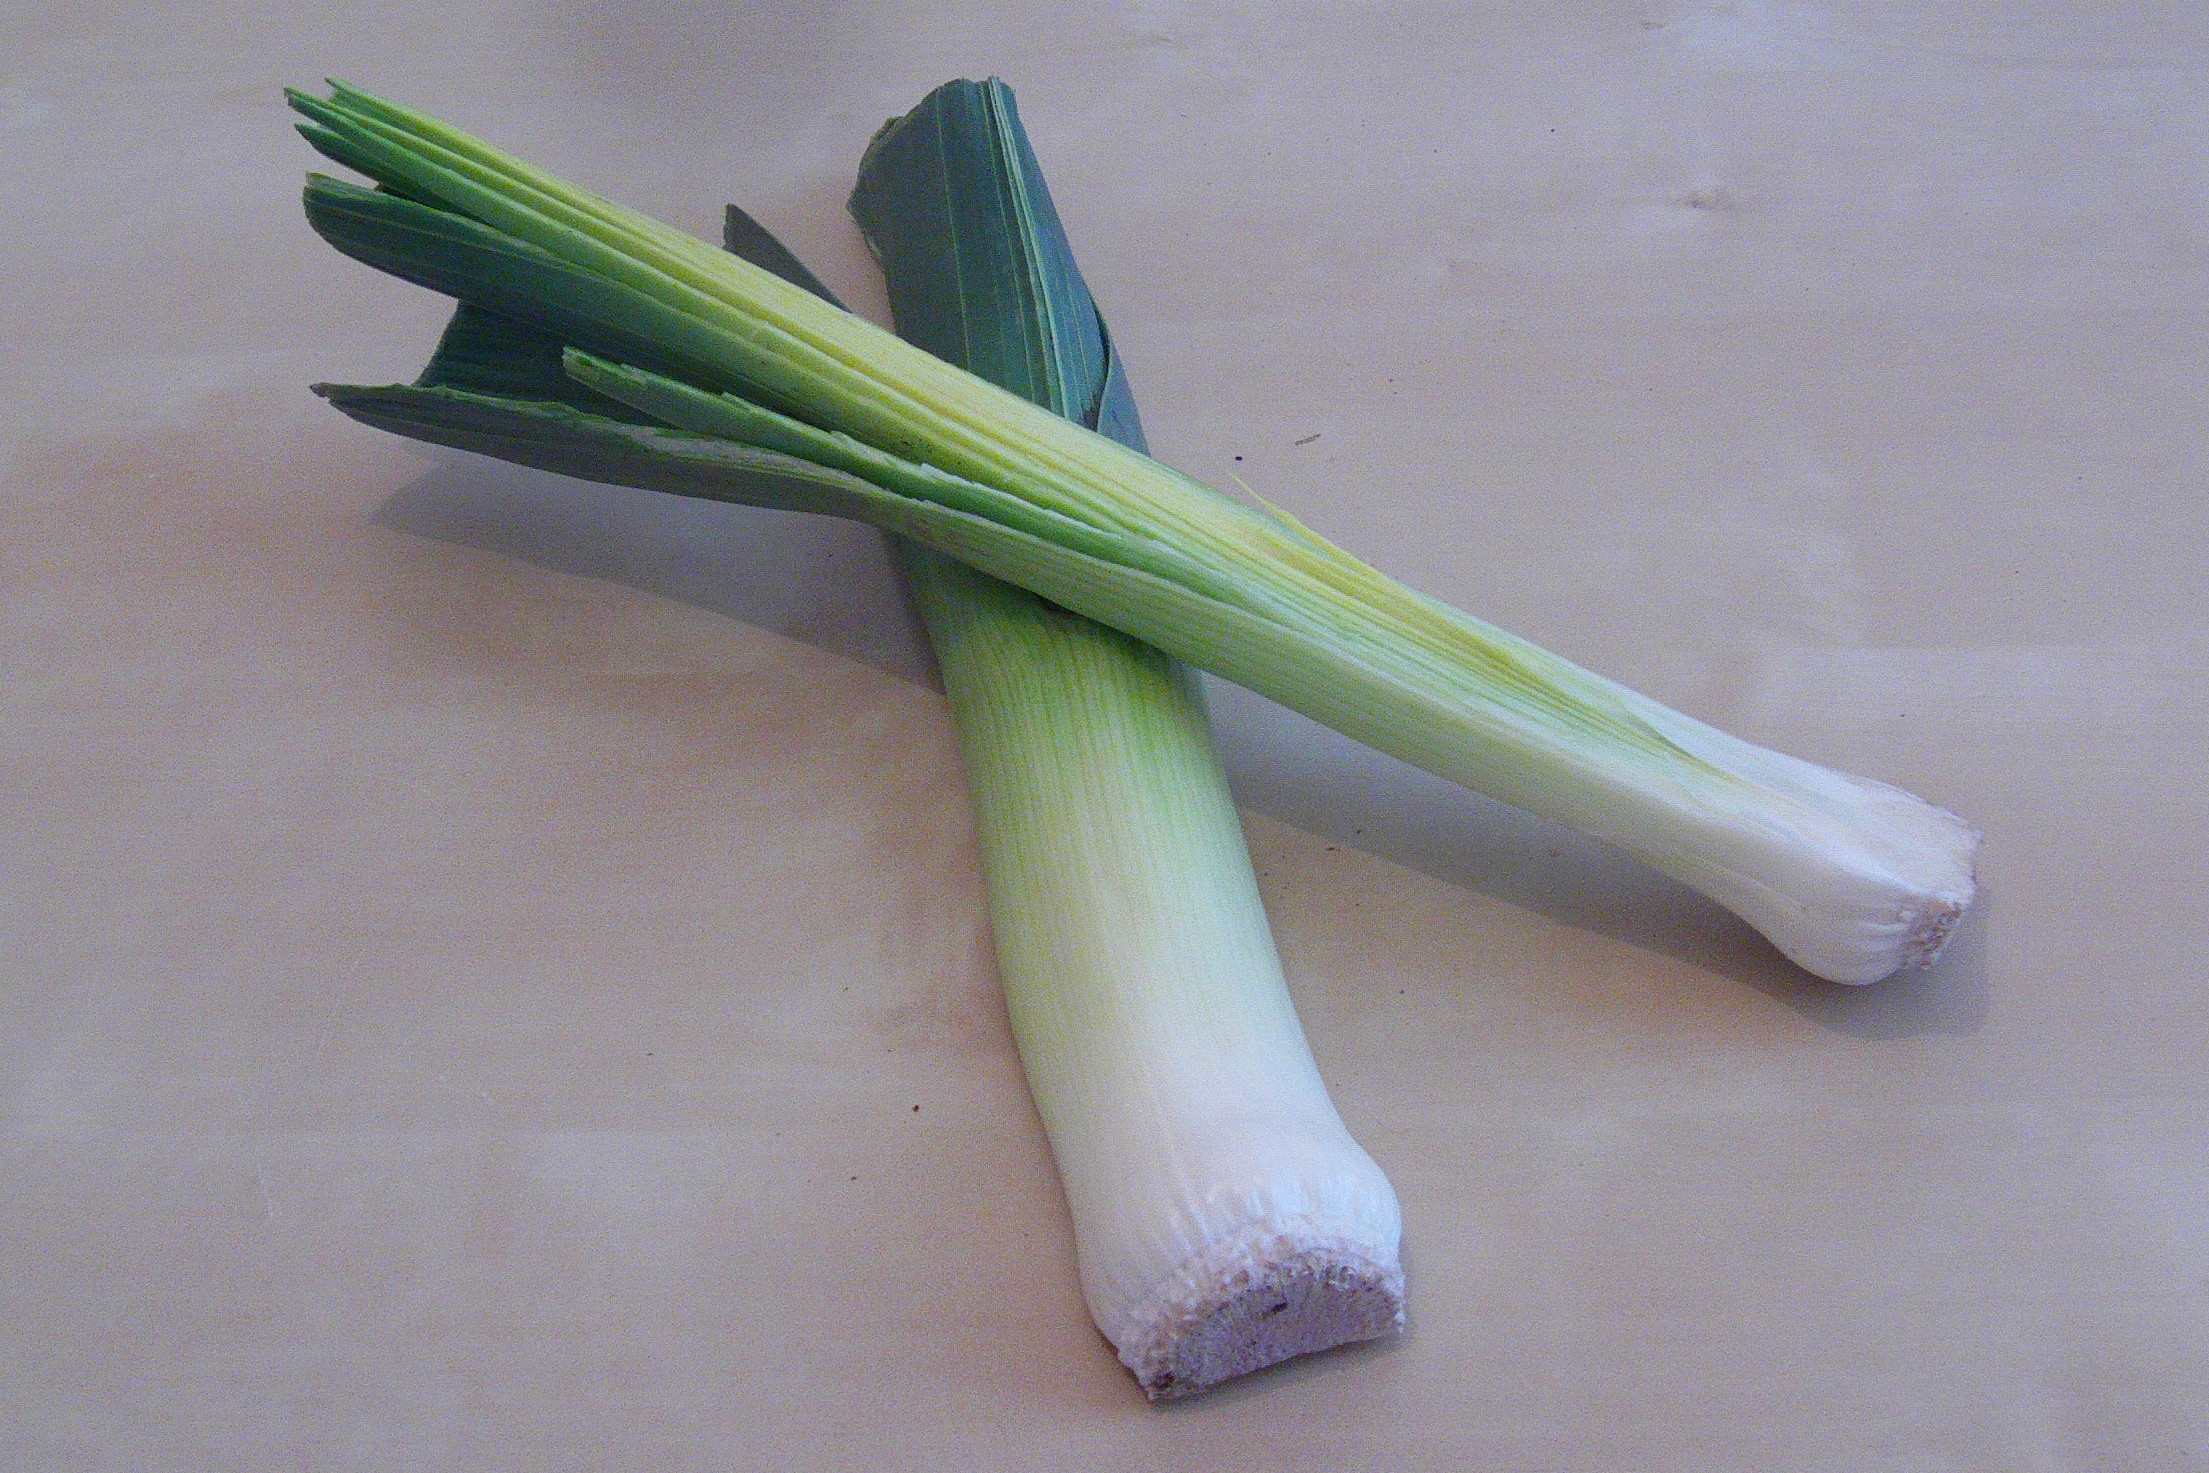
(1261, 1301)
(1927, 929)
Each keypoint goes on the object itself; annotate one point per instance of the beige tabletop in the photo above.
(493, 973)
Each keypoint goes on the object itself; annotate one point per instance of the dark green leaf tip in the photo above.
(314, 107)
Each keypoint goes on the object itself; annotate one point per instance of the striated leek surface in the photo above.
(781, 399)
(1224, 1219)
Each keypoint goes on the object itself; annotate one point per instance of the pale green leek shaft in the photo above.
(1203, 1163)
(1850, 877)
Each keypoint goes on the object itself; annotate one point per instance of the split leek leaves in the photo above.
(1849, 877)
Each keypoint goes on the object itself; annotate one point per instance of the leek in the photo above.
(781, 399)
(1224, 1219)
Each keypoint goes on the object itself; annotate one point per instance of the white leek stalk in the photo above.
(1849, 877)
(1223, 1217)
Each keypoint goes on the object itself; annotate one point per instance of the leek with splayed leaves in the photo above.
(783, 400)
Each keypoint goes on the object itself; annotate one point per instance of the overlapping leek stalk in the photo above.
(783, 400)
(1224, 1219)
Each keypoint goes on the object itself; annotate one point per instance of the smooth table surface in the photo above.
(472, 945)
